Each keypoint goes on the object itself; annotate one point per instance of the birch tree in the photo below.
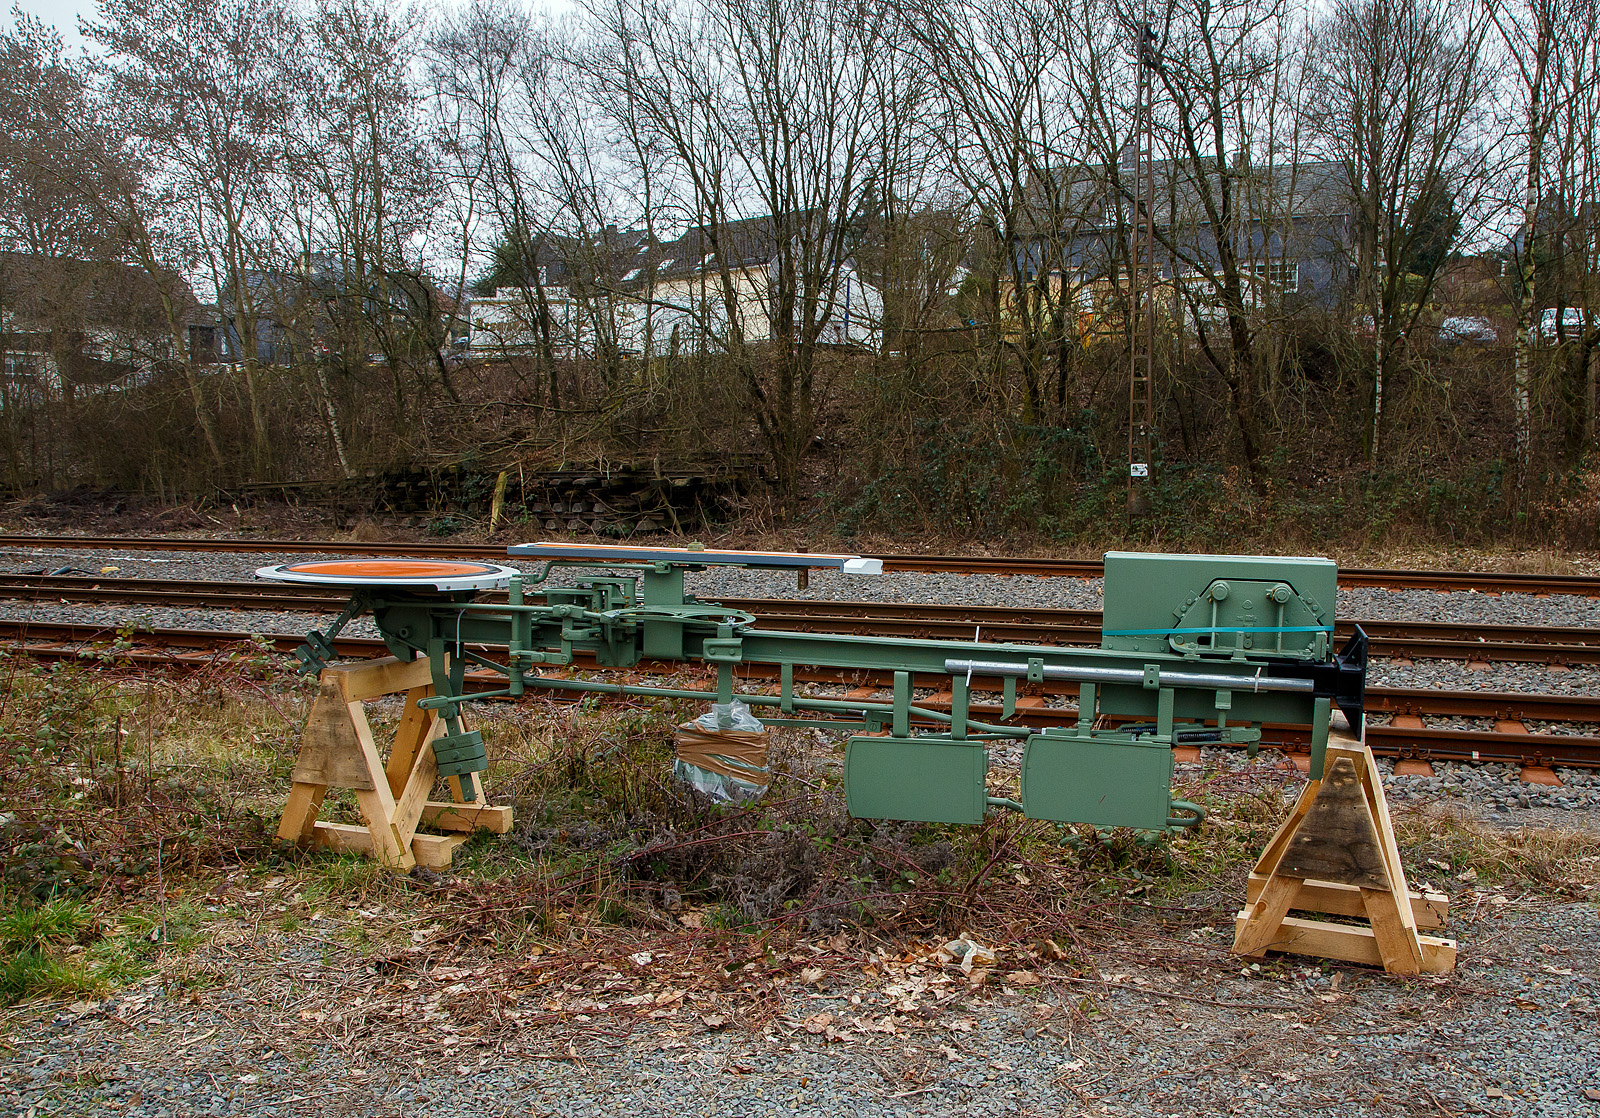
(1396, 88)
(1527, 31)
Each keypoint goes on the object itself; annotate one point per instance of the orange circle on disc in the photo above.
(391, 568)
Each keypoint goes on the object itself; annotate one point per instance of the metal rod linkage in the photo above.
(1154, 677)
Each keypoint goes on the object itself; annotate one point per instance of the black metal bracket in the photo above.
(318, 649)
(1342, 679)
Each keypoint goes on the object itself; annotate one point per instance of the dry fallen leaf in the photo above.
(1022, 978)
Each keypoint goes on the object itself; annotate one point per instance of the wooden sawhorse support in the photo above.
(337, 750)
(1336, 854)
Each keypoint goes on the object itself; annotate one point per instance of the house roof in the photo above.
(629, 259)
(1310, 188)
(62, 293)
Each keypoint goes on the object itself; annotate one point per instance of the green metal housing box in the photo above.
(1172, 603)
(1109, 784)
(927, 781)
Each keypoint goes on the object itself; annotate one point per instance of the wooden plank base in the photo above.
(1336, 854)
(338, 751)
(1349, 943)
(467, 817)
(432, 851)
(1430, 909)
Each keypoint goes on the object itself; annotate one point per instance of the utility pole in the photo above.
(1142, 281)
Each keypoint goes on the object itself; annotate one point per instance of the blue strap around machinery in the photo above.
(686, 556)
(1218, 629)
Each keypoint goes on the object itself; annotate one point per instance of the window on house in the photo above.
(21, 367)
(1280, 275)
(203, 344)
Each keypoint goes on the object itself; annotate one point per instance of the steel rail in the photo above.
(1420, 639)
(194, 647)
(1489, 582)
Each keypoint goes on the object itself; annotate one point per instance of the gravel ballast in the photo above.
(1506, 801)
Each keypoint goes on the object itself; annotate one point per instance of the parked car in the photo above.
(1571, 323)
(1467, 329)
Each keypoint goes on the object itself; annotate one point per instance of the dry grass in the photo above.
(1546, 859)
(610, 853)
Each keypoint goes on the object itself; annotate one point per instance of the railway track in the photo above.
(1510, 742)
(1485, 582)
(1417, 639)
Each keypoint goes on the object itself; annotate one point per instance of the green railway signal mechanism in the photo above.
(1195, 649)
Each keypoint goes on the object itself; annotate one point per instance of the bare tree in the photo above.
(1570, 221)
(43, 179)
(1395, 92)
(363, 184)
(205, 86)
(524, 127)
(89, 165)
(1528, 32)
(765, 108)
(1029, 131)
(1218, 66)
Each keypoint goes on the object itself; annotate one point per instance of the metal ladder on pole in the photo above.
(1141, 282)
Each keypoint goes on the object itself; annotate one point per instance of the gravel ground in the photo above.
(1456, 675)
(275, 1023)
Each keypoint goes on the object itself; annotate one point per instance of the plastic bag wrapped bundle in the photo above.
(723, 753)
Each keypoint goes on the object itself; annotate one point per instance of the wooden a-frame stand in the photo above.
(1336, 854)
(338, 751)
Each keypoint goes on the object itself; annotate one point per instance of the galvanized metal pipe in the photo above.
(1133, 677)
(835, 706)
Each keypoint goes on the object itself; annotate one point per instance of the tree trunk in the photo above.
(1522, 370)
(333, 422)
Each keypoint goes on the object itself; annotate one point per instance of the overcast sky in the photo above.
(63, 14)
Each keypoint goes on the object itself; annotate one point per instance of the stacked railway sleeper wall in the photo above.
(598, 497)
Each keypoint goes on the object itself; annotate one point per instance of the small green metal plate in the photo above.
(459, 754)
(1108, 784)
(919, 780)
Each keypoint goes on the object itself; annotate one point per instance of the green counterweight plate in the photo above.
(459, 754)
(1108, 784)
(927, 781)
